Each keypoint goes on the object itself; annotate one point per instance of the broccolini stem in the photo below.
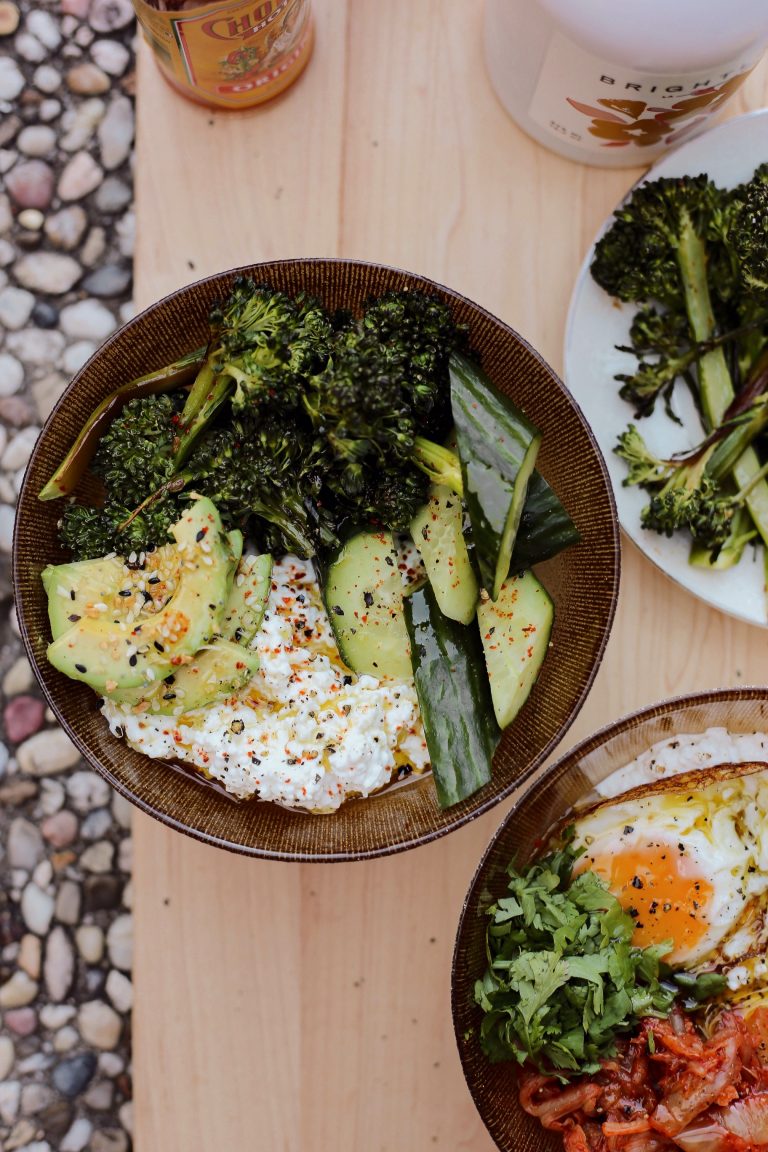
(213, 391)
(440, 464)
(716, 386)
(175, 484)
(68, 474)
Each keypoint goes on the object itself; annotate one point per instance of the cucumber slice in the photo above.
(545, 527)
(454, 698)
(437, 531)
(515, 631)
(498, 447)
(363, 594)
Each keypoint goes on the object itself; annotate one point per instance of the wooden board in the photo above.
(306, 1008)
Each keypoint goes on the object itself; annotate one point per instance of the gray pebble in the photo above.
(73, 1075)
(36, 346)
(111, 56)
(51, 796)
(84, 37)
(11, 78)
(120, 991)
(87, 791)
(46, 79)
(18, 991)
(47, 271)
(120, 942)
(7, 1056)
(93, 249)
(55, 1016)
(35, 1097)
(109, 280)
(99, 1024)
(10, 1098)
(109, 15)
(37, 140)
(15, 307)
(78, 124)
(19, 449)
(87, 320)
(113, 195)
(7, 522)
(44, 315)
(29, 48)
(42, 25)
(65, 228)
(59, 964)
(100, 1096)
(11, 374)
(115, 133)
(78, 1136)
(96, 824)
(76, 355)
(46, 390)
(36, 909)
(9, 127)
(90, 943)
(80, 177)
(49, 109)
(25, 844)
(68, 901)
(6, 216)
(49, 752)
(30, 184)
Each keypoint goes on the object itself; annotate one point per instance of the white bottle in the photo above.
(612, 83)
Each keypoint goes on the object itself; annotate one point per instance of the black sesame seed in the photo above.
(338, 610)
(125, 592)
(133, 660)
(74, 618)
(201, 535)
(159, 646)
(81, 667)
(368, 597)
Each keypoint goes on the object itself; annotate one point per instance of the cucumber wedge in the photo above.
(454, 698)
(498, 447)
(545, 527)
(437, 531)
(363, 593)
(515, 632)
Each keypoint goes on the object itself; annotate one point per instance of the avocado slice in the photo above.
(111, 654)
(247, 599)
(73, 589)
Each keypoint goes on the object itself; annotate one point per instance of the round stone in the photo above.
(120, 942)
(9, 22)
(99, 1024)
(102, 892)
(51, 796)
(113, 195)
(80, 177)
(47, 272)
(65, 228)
(68, 901)
(86, 791)
(11, 374)
(111, 56)
(49, 752)
(79, 1134)
(94, 247)
(11, 78)
(59, 965)
(98, 857)
(115, 133)
(87, 320)
(15, 307)
(19, 450)
(36, 140)
(78, 124)
(47, 390)
(18, 678)
(25, 844)
(65, 1039)
(10, 1095)
(17, 992)
(96, 824)
(109, 15)
(47, 79)
(90, 943)
(30, 183)
(84, 36)
(60, 829)
(37, 909)
(43, 26)
(120, 991)
(44, 315)
(73, 1075)
(76, 355)
(23, 716)
(48, 109)
(30, 955)
(7, 1057)
(32, 219)
(7, 253)
(55, 1016)
(108, 281)
(29, 48)
(87, 79)
(22, 1021)
(35, 1097)
(73, 11)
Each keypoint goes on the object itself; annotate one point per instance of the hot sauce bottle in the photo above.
(228, 55)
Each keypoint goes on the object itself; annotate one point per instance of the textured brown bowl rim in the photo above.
(463, 817)
(529, 793)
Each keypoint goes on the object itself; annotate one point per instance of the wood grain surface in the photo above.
(284, 1008)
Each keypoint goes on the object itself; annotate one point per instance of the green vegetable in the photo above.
(563, 977)
(498, 447)
(454, 698)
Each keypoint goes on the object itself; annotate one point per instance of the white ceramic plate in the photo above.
(729, 154)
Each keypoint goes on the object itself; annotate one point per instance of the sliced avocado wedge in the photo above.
(218, 670)
(247, 599)
(74, 589)
(110, 655)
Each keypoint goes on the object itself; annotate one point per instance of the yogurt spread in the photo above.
(305, 732)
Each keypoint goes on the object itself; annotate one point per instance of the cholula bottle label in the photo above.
(230, 56)
(595, 106)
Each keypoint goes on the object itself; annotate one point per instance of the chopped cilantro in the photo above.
(563, 977)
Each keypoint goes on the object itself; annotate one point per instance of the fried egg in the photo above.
(687, 857)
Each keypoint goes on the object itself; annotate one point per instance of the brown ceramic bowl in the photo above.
(555, 790)
(583, 581)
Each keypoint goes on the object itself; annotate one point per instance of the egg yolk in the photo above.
(662, 889)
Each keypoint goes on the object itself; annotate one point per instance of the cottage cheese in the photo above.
(305, 732)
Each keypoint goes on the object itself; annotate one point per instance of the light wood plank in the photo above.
(306, 1009)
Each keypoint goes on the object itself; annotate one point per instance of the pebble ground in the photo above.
(66, 246)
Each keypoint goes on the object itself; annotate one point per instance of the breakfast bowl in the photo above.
(582, 581)
(715, 745)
